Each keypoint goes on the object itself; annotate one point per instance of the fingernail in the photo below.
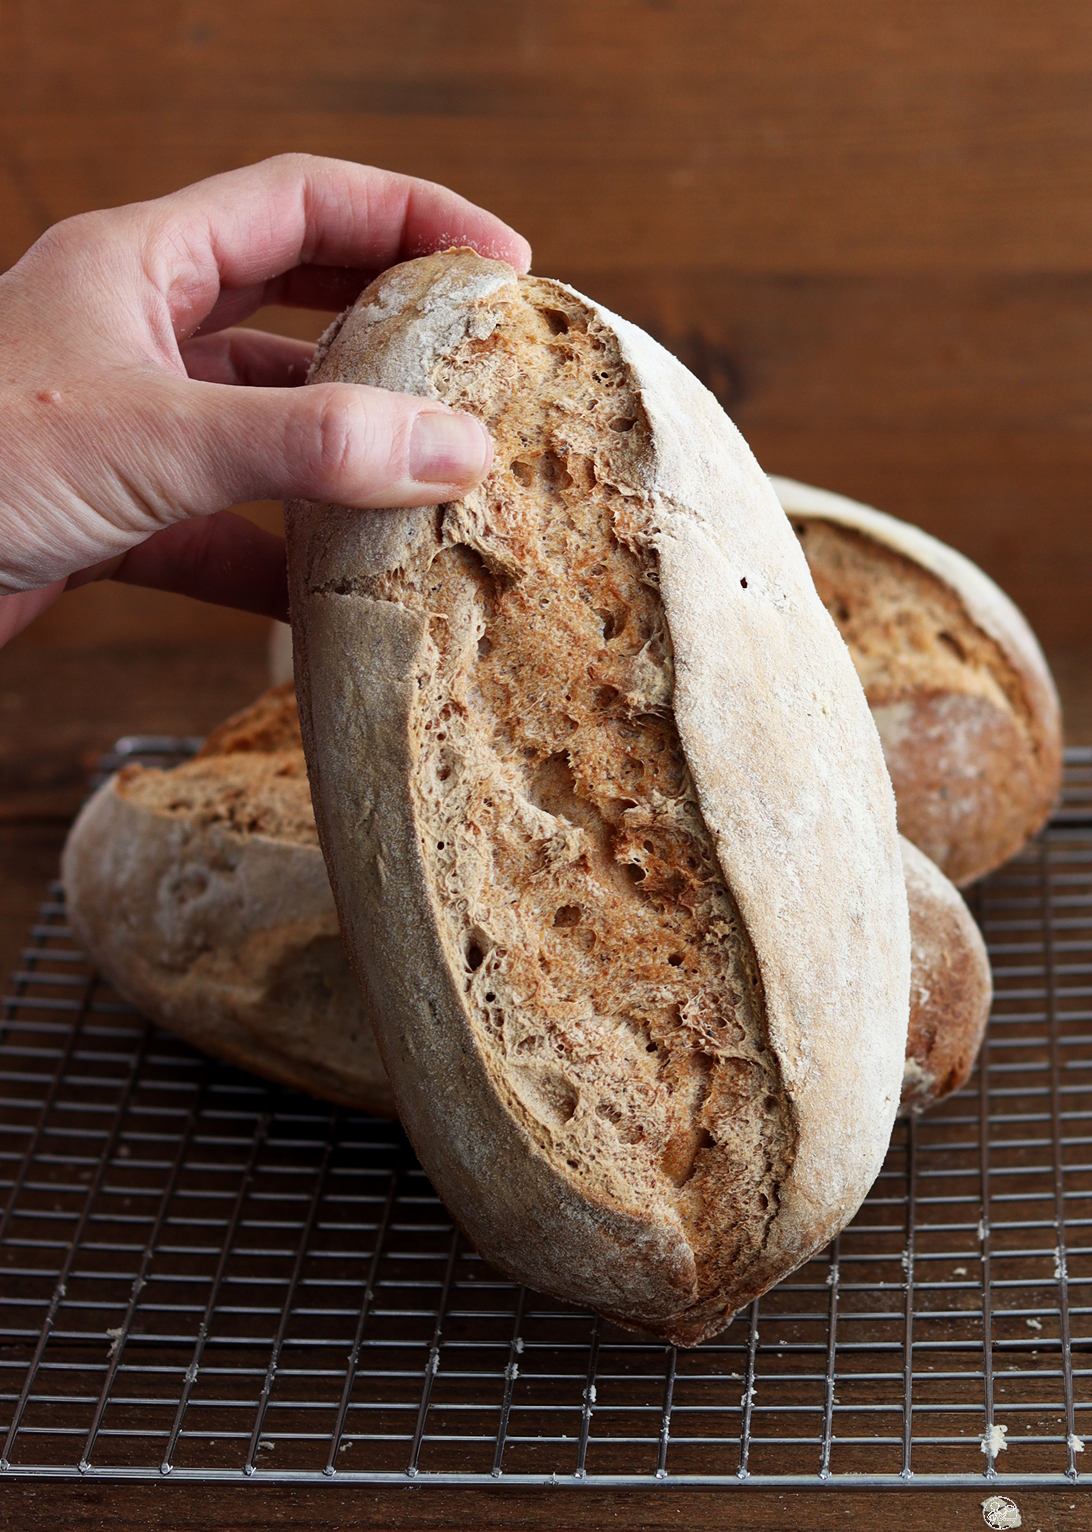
(448, 449)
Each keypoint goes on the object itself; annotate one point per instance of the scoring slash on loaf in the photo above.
(958, 686)
(201, 894)
(606, 816)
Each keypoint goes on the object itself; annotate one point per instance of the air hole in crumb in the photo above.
(553, 786)
(704, 1140)
(554, 472)
(485, 647)
(648, 845)
(743, 582)
(568, 915)
(475, 957)
(950, 641)
(771, 1103)
(605, 695)
(440, 844)
(634, 873)
(763, 1200)
(490, 997)
(559, 324)
(675, 959)
(652, 1047)
(523, 473)
(610, 626)
(622, 423)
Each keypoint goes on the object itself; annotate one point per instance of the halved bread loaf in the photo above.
(202, 896)
(605, 813)
(958, 686)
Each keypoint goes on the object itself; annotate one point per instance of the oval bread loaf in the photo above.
(605, 813)
(958, 686)
(201, 894)
(951, 987)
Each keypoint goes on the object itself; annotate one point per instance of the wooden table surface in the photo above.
(868, 227)
(188, 1508)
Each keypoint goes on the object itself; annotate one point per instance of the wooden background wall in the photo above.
(867, 224)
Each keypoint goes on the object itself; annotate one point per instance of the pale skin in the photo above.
(134, 411)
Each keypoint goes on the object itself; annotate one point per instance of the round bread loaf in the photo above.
(605, 813)
(961, 694)
(201, 894)
(950, 986)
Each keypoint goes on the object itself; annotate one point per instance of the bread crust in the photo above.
(227, 937)
(787, 775)
(971, 731)
(951, 987)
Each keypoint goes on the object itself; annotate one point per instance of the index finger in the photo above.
(247, 227)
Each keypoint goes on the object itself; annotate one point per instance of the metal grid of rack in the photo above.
(208, 1277)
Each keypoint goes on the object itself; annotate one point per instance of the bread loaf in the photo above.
(958, 686)
(201, 894)
(950, 986)
(606, 816)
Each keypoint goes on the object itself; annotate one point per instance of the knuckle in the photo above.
(332, 455)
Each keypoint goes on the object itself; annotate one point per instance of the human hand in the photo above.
(124, 434)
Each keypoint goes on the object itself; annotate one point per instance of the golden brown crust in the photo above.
(958, 687)
(950, 986)
(506, 715)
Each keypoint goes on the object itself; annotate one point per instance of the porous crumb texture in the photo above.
(265, 727)
(972, 771)
(610, 980)
(250, 776)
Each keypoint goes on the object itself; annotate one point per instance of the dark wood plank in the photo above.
(792, 137)
(195, 1508)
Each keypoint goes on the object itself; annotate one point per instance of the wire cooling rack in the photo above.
(207, 1277)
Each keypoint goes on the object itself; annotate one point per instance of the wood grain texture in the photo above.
(790, 136)
(255, 1508)
(868, 227)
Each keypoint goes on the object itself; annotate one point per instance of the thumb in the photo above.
(337, 442)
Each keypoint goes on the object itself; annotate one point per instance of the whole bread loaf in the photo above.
(606, 815)
(201, 894)
(958, 686)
